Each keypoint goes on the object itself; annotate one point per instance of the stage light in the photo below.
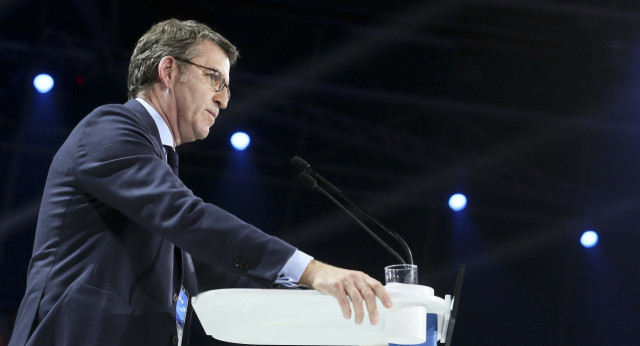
(457, 202)
(589, 239)
(240, 140)
(43, 83)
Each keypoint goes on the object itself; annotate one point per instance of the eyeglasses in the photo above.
(217, 79)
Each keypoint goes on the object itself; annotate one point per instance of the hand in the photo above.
(348, 287)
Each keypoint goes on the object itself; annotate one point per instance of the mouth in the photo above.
(213, 115)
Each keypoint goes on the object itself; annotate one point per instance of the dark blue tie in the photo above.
(172, 158)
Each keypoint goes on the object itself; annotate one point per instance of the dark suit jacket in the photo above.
(102, 271)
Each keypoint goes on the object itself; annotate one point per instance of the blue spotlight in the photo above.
(457, 202)
(43, 83)
(589, 239)
(240, 140)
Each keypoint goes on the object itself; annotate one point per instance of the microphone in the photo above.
(305, 167)
(302, 165)
(310, 182)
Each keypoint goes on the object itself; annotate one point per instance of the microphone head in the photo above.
(307, 180)
(299, 164)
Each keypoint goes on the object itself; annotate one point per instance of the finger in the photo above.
(343, 300)
(370, 301)
(380, 292)
(356, 301)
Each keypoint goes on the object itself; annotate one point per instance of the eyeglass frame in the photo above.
(224, 81)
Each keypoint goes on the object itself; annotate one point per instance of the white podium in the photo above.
(308, 317)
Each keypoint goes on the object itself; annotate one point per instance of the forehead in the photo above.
(211, 55)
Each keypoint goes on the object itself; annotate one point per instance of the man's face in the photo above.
(197, 103)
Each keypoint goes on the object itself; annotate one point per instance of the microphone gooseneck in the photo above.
(307, 176)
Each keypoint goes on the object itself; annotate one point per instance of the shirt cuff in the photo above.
(293, 269)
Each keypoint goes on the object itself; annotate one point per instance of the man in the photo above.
(117, 228)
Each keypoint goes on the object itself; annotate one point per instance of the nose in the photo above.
(221, 98)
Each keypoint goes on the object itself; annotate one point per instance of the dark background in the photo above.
(530, 108)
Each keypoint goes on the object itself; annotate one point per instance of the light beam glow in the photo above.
(43, 83)
(240, 140)
(457, 202)
(589, 239)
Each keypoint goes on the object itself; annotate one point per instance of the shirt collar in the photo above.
(165, 134)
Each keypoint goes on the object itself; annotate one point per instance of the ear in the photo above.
(168, 71)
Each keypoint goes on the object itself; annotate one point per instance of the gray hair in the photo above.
(171, 37)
